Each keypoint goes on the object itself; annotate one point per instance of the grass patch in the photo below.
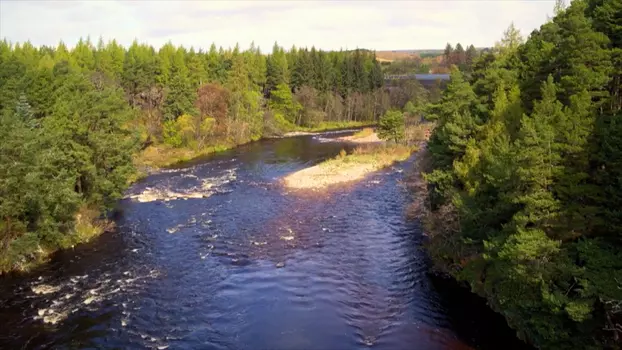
(348, 167)
(28, 251)
(88, 224)
(366, 132)
(162, 156)
(377, 155)
(327, 126)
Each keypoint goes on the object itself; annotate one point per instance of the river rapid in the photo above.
(219, 255)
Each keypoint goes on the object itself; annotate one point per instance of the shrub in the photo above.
(171, 134)
(363, 133)
(391, 126)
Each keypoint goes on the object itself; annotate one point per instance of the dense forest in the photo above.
(75, 121)
(526, 188)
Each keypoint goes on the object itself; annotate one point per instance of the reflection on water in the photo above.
(249, 265)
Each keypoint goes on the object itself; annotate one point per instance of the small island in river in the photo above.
(373, 154)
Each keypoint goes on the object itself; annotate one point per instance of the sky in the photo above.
(328, 25)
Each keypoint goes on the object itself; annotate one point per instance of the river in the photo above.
(232, 260)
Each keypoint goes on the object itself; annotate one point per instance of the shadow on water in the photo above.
(248, 264)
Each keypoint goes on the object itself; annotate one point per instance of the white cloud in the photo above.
(327, 25)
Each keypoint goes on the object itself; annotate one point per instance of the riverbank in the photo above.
(367, 135)
(23, 258)
(348, 167)
(163, 156)
(334, 126)
(372, 155)
(89, 223)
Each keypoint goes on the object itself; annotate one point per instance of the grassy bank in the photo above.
(377, 155)
(371, 155)
(348, 167)
(30, 253)
(330, 126)
(162, 156)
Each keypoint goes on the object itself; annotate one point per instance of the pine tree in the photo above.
(83, 54)
(607, 18)
(583, 60)
(348, 79)
(456, 121)
(539, 159)
(325, 73)
(181, 94)
(140, 71)
(459, 56)
(277, 69)
(238, 82)
(391, 126)
(448, 55)
(302, 72)
(197, 74)
(511, 40)
(359, 74)
(470, 56)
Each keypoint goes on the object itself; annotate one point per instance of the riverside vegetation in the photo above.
(399, 134)
(76, 124)
(524, 179)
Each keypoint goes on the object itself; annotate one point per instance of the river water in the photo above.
(218, 255)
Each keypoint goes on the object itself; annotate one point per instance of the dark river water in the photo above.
(218, 255)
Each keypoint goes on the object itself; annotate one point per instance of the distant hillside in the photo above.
(393, 55)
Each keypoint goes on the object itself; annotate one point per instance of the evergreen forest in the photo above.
(525, 196)
(523, 169)
(76, 122)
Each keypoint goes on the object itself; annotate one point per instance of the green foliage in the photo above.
(277, 69)
(410, 109)
(71, 120)
(527, 164)
(391, 126)
(172, 133)
(282, 101)
(79, 154)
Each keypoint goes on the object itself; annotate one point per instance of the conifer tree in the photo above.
(277, 69)
(459, 56)
(448, 55)
(470, 56)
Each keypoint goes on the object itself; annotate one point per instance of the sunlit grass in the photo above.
(348, 167)
(377, 155)
(417, 132)
(88, 224)
(28, 252)
(161, 156)
(327, 126)
(366, 132)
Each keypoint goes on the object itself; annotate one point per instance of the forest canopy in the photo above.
(73, 120)
(526, 187)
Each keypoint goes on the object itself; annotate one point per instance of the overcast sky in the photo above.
(379, 25)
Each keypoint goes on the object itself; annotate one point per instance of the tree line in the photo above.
(458, 56)
(526, 192)
(71, 119)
